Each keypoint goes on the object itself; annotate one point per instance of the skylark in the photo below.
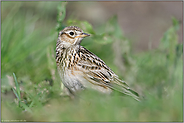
(80, 69)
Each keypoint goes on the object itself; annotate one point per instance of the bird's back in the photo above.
(83, 69)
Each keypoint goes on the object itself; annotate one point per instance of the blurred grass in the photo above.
(29, 34)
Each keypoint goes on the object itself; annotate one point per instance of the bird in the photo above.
(80, 69)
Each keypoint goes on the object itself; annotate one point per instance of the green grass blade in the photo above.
(31, 104)
(17, 87)
(16, 93)
(25, 107)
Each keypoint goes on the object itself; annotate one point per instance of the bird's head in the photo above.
(71, 35)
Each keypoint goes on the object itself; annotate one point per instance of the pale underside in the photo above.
(80, 69)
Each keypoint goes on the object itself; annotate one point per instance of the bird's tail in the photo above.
(122, 87)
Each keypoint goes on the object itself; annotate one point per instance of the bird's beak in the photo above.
(83, 35)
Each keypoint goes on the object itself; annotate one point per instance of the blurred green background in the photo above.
(139, 41)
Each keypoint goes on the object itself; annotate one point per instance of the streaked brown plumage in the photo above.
(80, 69)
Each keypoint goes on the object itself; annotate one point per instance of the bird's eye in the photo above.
(71, 33)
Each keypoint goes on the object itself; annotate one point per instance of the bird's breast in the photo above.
(67, 58)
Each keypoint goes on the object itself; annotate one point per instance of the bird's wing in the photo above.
(97, 72)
